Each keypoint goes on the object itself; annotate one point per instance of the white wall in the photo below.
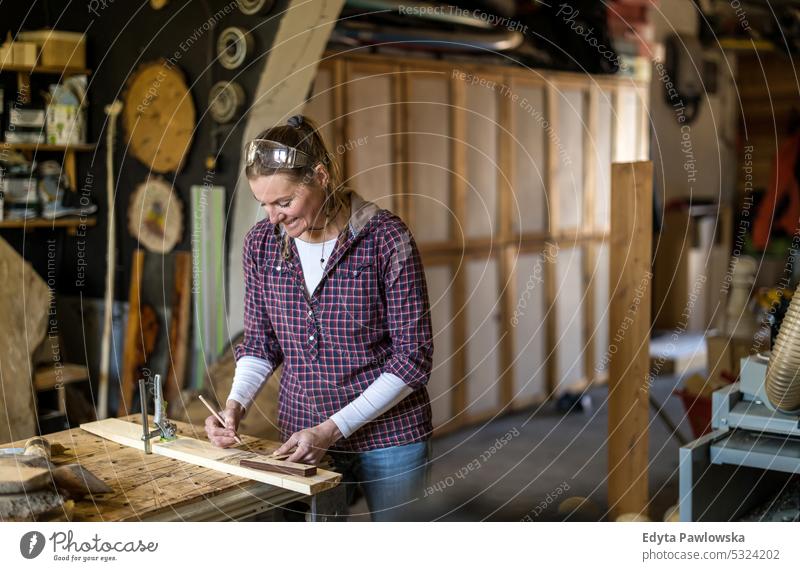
(712, 133)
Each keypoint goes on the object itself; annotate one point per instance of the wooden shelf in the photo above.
(45, 69)
(82, 147)
(48, 378)
(65, 222)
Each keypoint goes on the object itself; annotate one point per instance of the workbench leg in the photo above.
(314, 507)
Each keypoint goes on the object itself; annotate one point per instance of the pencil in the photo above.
(219, 418)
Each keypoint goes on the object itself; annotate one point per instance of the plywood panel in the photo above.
(569, 173)
(439, 280)
(601, 311)
(481, 160)
(483, 349)
(628, 125)
(320, 106)
(569, 317)
(603, 146)
(429, 155)
(369, 129)
(529, 209)
(529, 331)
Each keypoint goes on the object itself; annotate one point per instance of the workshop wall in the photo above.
(115, 49)
(185, 31)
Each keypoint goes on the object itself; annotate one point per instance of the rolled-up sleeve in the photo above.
(407, 307)
(259, 335)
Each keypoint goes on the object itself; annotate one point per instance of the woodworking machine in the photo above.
(750, 455)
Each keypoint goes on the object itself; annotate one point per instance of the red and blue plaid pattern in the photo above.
(369, 314)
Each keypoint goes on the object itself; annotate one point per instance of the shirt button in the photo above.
(355, 273)
(278, 268)
(311, 338)
(310, 313)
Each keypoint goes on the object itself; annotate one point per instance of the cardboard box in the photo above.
(725, 352)
(6, 55)
(59, 49)
(24, 53)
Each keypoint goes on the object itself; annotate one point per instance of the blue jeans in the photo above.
(392, 479)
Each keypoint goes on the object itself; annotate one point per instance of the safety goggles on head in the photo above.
(274, 155)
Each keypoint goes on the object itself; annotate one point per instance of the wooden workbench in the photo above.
(149, 487)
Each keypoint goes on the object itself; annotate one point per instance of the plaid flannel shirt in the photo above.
(369, 314)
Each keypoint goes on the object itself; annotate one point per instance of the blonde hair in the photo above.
(303, 134)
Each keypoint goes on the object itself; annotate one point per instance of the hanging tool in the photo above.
(112, 111)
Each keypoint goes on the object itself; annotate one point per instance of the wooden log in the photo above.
(27, 506)
(79, 481)
(24, 302)
(179, 330)
(628, 388)
(280, 466)
(22, 479)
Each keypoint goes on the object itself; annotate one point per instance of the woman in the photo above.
(334, 290)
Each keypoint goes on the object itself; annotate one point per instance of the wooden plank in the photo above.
(69, 222)
(179, 330)
(506, 282)
(590, 141)
(551, 189)
(132, 354)
(628, 418)
(399, 134)
(203, 453)
(458, 200)
(280, 466)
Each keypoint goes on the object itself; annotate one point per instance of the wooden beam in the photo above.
(400, 169)
(203, 453)
(506, 279)
(551, 190)
(590, 142)
(140, 336)
(179, 330)
(628, 388)
(458, 204)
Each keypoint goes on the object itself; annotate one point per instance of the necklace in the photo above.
(322, 257)
(322, 252)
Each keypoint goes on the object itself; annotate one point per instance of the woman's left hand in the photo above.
(311, 443)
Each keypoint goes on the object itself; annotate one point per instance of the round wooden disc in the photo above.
(159, 116)
(155, 216)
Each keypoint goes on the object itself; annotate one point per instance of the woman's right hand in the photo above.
(224, 436)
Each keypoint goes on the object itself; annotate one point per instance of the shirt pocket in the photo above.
(357, 299)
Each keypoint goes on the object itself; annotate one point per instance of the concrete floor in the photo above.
(560, 455)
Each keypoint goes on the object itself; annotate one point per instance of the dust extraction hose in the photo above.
(783, 374)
